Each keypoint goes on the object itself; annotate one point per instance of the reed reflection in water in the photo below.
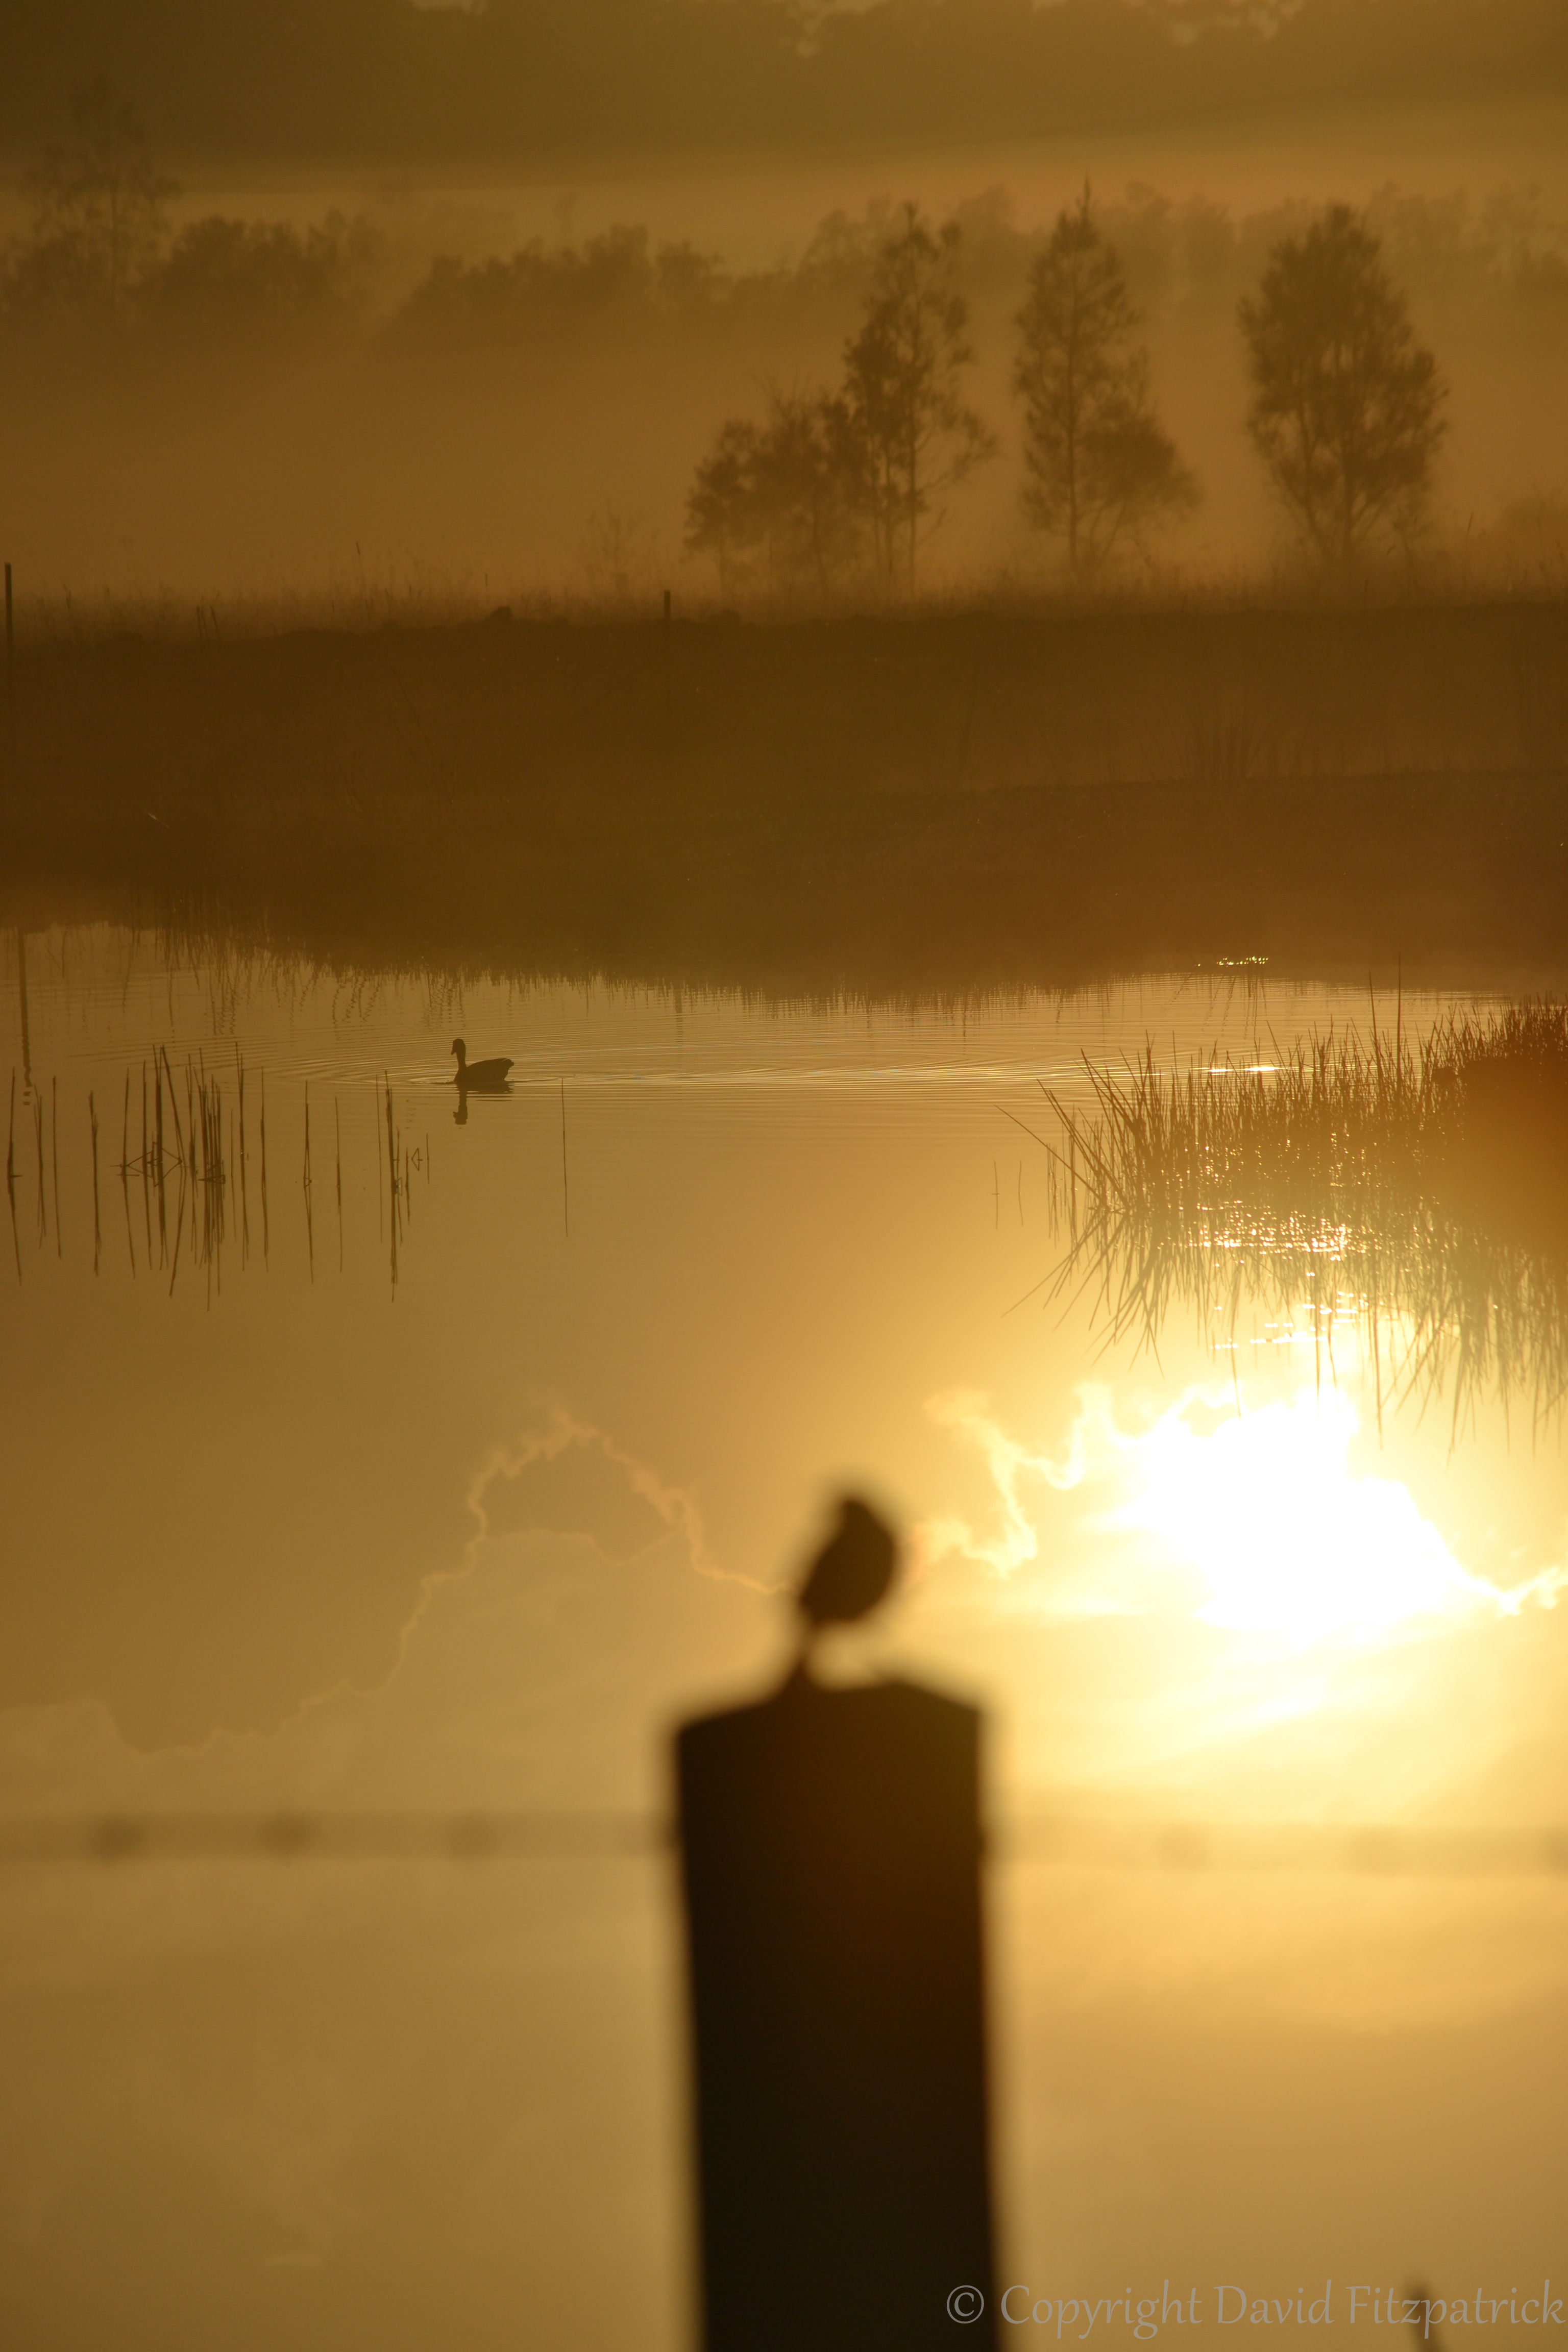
(1414, 1195)
(191, 1177)
(386, 1594)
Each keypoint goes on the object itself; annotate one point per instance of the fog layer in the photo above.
(394, 399)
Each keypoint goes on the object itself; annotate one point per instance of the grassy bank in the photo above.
(944, 800)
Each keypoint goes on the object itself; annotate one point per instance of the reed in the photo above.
(266, 1228)
(194, 1159)
(97, 1224)
(244, 1187)
(125, 1173)
(146, 1165)
(11, 1177)
(39, 1143)
(1416, 1193)
(397, 1193)
(305, 1179)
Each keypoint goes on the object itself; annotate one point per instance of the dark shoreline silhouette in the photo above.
(913, 804)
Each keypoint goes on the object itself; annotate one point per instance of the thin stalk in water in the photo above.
(11, 1177)
(310, 1220)
(96, 1228)
(266, 1230)
(39, 1143)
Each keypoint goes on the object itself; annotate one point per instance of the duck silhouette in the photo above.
(490, 1075)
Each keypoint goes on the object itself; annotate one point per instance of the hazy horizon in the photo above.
(241, 453)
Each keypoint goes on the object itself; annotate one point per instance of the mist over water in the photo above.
(383, 416)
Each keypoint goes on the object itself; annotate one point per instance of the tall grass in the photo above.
(1419, 1193)
(187, 1172)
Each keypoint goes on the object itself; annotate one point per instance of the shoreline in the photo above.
(944, 803)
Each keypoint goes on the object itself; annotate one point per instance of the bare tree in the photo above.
(1346, 404)
(1097, 466)
(100, 211)
(902, 377)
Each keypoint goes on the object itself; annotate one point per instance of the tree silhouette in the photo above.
(721, 517)
(785, 500)
(222, 275)
(1098, 464)
(1346, 404)
(901, 385)
(99, 211)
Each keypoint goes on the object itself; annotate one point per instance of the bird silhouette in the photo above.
(853, 1572)
(491, 1074)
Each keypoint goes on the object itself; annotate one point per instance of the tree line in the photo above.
(834, 492)
(836, 489)
(100, 252)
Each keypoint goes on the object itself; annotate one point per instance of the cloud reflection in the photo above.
(1252, 1521)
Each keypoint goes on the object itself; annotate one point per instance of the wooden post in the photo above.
(10, 658)
(831, 1868)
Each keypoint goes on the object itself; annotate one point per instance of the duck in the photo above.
(479, 1073)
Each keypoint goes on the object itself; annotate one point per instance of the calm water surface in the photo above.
(446, 1472)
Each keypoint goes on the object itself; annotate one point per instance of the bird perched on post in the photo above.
(851, 1574)
(479, 1073)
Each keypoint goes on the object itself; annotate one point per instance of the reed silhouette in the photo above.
(1418, 1191)
(190, 1170)
(831, 1847)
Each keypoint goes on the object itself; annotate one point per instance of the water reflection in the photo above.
(193, 1176)
(463, 1554)
(1411, 1194)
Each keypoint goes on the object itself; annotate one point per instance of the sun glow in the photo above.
(1258, 1520)
(1286, 1536)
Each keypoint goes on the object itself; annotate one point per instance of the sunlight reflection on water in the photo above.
(304, 1539)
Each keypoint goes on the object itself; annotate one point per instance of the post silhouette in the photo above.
(831, 1850)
